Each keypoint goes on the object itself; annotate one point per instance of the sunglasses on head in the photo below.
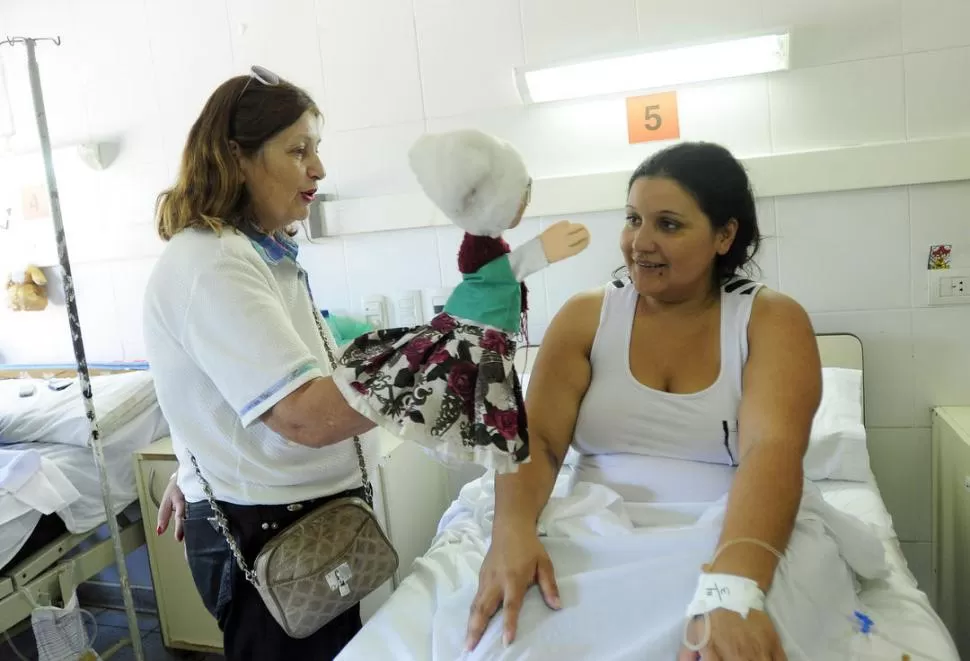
(263, 75)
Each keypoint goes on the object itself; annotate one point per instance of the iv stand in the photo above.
(72, 315)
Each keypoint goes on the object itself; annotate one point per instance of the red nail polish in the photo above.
(158, 530)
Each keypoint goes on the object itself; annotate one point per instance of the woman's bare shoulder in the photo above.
(772, 307)
(586, 302)
(779, 320)
(577, 320)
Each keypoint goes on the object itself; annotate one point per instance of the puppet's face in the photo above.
(526, 198)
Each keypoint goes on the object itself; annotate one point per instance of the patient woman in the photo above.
(680, 382)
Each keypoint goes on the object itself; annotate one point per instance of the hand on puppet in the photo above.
(451, 385)
(27, 290)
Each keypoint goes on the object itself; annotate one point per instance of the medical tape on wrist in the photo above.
(734, 593)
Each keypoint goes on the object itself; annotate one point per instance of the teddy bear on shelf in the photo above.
(27, 290)
(451, 385)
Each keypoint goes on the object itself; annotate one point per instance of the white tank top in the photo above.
(650, 445)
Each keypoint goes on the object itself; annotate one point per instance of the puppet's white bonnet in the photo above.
(477, 180)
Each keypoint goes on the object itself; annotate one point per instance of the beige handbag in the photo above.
(322, 564)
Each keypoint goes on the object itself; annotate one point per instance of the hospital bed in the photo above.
(404, 627)
(46, 554)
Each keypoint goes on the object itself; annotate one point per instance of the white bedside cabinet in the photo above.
(951, 520)
(185, 623)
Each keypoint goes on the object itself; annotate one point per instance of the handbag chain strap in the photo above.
(217, 512)
(223, 524)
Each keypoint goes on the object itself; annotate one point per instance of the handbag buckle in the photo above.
(338, 579)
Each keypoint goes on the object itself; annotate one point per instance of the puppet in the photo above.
(451, 385)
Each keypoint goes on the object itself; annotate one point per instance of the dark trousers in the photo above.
(249, 632)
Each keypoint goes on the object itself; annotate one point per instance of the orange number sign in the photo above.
(652, 117)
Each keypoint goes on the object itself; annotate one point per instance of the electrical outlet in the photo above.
(375, 311)
(434, 301)
(948, 286)
(408, 309)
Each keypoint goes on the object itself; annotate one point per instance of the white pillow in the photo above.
(837, 444)
(59, 416)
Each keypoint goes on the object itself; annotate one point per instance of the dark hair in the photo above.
(209, 191)
(720, 185)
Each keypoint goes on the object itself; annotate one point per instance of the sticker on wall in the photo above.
(939, 258)
(35, 202)
(652, 117)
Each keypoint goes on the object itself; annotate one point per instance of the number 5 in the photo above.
(653, 117)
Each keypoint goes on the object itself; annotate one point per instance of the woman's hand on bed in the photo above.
(173, 502)
(515, 561)
(735, 639)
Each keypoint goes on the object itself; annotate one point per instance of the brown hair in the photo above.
(209, 190)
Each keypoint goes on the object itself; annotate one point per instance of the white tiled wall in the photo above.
(560, 31)
(939, 101)
(865, 71)
(934, 24)
(823, 242)
(837, 31)
(697, 20)
(467, 51)
(370, 66)
(838, 105)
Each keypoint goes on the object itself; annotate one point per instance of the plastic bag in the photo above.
(60, 633)
(345, 329)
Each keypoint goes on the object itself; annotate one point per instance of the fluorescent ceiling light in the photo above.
(667, 68)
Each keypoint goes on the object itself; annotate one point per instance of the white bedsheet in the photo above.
(626, 574)
(59, 416)
(84, 509)
(31, 481)
(897, 605)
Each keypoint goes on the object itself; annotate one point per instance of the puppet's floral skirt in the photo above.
(449, 386)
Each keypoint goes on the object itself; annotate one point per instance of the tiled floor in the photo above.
(112, 627)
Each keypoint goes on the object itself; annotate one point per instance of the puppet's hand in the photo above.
(563, 240)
